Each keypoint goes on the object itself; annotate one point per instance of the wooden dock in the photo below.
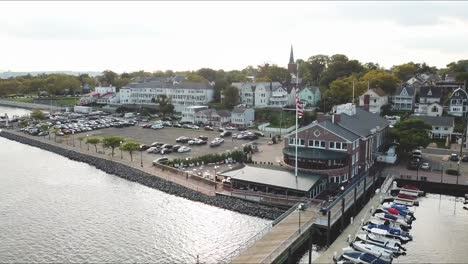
(280, 237)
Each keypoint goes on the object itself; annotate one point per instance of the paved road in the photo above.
(438, 151)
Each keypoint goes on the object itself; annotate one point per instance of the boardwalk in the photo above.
(363, 216)
(281, 236)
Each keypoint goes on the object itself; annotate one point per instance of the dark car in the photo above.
(176, 125)
(146, 126)
(168, 118)
(225, 134)
(241, 129)
(208, 128)
(186, 126)
(454, 157)
(413, 165)
(175, 148)
(220, 129)
(464, 158)
(203, 137)
(166, 151)
(144, 147)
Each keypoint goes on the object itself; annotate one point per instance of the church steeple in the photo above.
(291, 56)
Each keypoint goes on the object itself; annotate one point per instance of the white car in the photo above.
(151, 150)
(157, 126)
(219, 139)
(230, 128)
(184, 149)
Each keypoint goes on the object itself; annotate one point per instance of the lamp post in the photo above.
(87, 140)
(141, 159)
(73, 137)
(458, 165)
(121, 155)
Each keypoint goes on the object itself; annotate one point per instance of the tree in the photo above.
(339, 66)
(93, 141)
(220, 85)
(130, 147)
(405, 71)
(80, 139)
(112, 142)
(459, 66)
(341, 91)
(412, 133)
(165, 105)
(382, 79)
(37, 114)
(314, 68)
(279, 74)
(231, 97)
(207, 73)
(193, 77)
(462, 77)
(386, 110)
(108, 77)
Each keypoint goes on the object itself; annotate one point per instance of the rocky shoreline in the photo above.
(135, 175)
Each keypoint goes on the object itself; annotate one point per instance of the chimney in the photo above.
(336, 118)
(366, 102)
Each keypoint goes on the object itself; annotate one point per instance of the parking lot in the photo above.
(168, 135)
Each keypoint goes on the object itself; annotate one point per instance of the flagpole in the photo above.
(297, 86)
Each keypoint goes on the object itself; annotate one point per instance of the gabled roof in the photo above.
(362, 122)
(430, 92)
(379, 91)
(224, 113)
(332, 127)
(409, 89)
(436, 120)
(239, 110)
(459, 93)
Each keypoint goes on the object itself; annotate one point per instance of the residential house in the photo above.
(373, 100)
(242, 117)
(442, 126)
(213, 117)
(427, 96)
(340, 145)
(188, 114)
(262, 94)
(403, 99)
(310, 96)
(88, 98)
(458, 102)
(433, 109)
(279, 97)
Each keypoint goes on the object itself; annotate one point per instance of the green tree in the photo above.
(382, 79)
(462, 77)
(339, 66)
(405, 71)
(207, 73)
(193, 77)
(93, 141)
(112, 142)
(37, 114)
(165, 105)
(279, 74)
(459, 66)
(314, 68)
(341, 91)
(220, 85)
(80, 139)
(130, 147)
(231, 97)
(411, 133)
(108, 78)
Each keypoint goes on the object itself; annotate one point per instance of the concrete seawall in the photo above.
(135, 175)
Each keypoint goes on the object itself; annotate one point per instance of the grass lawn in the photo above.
(21, 100)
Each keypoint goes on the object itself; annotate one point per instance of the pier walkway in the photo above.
(280, 237)
(354, 227)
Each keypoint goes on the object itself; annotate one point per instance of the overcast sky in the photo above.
(131, 36)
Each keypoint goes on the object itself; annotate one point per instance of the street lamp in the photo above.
(141, 159)
(121, 155)
(87, 140)
(300, 207)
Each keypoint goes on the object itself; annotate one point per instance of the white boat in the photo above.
(380, 252)
(362, 258)
(399, 219)
(399, 207)
(388, 231)
(381, 241)
(378, 221)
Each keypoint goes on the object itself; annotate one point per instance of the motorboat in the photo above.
(410, 188)
(401, 201)
(378, 221)
(381, 241)
(361, 257)
(383, 253)
(407, 196)
(388, 231)
(402, 221)
(402, 214)
(399, 207)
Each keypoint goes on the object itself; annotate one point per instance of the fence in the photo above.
(265, 128)
(269, 199)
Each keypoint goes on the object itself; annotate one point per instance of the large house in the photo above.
(458, 102)
(188, 113)
(442, 126)
(213, 117)
(428, 96)
(338, 146)
(310, 96)
(181, 94)
(373, 100)
(262, 94)
(242, 117)
(101, 95)
(403, 99)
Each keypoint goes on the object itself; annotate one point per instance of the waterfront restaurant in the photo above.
(277, 182)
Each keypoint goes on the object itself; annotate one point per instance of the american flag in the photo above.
(300, 110)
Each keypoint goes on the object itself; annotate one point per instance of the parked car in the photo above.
(225, 134)
(176, 125)
(454, 157)
(203, 137)
(208, 128)
(258, 133)
(465, 158)
(162, 160)
(187, 126)
(182, 139)
(156, 144)
(184, 149)
(413, 165)
(425, 166)
(241, 128)
(176, 148)
(230, 128)
(158, 126)
(221, 129)
(417, 153)
(166, 151)
(153, 150)
(144, 147)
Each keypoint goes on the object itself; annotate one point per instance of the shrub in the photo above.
(452, 172)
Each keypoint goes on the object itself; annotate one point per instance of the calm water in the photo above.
(440, 232)
(56, 210)
(13, 111)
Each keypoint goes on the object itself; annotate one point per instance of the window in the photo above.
(435, 109)
(436, 128)
(322, 144)
(375, 100)
(344, 146)
(445, 128)
(338, 145)
(332, 144)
